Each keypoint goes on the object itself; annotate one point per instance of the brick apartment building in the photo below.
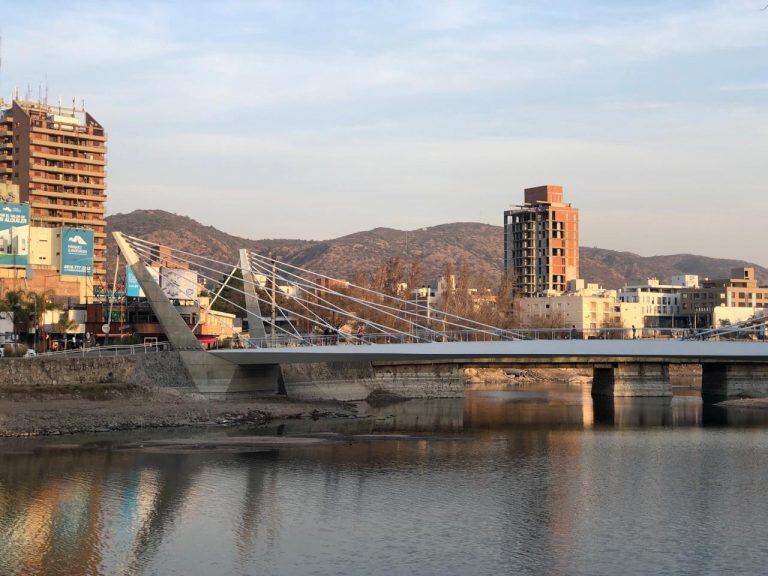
(57, 157)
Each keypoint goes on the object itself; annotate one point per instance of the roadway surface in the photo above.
(519, 351)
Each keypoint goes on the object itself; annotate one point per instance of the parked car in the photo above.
(30, 354)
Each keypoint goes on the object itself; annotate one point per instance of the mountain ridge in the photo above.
(478, 246)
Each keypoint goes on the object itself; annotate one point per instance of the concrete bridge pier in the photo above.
(720, 381)
(631, 380)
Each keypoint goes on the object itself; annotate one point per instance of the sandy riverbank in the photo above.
(139, 408)
(751, 403)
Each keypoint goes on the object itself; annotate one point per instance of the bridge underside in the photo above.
(620, 368)
(520, 352)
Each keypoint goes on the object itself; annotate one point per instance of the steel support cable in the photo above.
(230, 302)
(148, 253)
(318, 287)
(154, 245)
(300, 301)
(296, 335)
(495, 329)
(338, 309)
(381, 307)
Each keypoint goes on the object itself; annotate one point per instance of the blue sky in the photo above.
(313, 120)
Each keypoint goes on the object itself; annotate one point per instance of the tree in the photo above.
(232, 299)
(65, 324)
(27, 308)
(16, 303)
(38, 303)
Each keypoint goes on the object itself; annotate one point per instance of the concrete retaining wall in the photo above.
(357, 380)
(152, 369)
(734, 381)
(631, 380)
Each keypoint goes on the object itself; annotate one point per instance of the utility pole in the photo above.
(274, 302)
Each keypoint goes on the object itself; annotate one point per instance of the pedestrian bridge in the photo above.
(513, 352)
(373, 328)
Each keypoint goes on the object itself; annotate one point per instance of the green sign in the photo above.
(14, 234)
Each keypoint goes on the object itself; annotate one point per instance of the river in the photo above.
(531, 481)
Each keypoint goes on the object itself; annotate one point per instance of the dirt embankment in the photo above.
(522, 376)
(751, 403)
(104, 409)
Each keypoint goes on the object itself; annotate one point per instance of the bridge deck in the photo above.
(524, 351)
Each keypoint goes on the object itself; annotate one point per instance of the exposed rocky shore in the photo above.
(129, 408)
(751, 403)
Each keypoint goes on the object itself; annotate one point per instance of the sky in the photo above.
(314, 120)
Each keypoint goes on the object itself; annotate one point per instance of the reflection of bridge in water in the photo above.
(376, 340)
(99, 511)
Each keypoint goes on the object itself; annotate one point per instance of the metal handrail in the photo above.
(474, 336)
(106, 351)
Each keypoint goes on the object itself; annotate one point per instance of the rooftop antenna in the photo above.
(39, 92)
(28, 95)
(73, 106)
(59, 105)
(46, 88)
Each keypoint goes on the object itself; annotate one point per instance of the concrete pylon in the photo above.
(210, 375)
(255, 321)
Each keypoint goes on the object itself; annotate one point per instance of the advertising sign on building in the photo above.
(179, 283)
(14, 234)
(132, 287)
(76, 252)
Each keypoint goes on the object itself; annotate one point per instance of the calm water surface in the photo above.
(539, 481)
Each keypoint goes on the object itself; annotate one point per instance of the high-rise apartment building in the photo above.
(57, 157)
(541, 242)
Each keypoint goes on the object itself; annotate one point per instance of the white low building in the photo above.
(584, 307)
(660, 303)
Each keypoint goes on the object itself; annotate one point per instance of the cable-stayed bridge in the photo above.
(336, 321)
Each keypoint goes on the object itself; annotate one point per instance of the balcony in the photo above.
(79, 131)
(63, 170)
(65, 220)
(68, 146)
(62, 182)
(68, 208)
(38, 193)
(67, 158)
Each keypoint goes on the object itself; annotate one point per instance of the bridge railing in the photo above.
(108, 351)
(489, 336)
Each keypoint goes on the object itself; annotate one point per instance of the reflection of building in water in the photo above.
(53, 521)
(260, 512)
(523, 409)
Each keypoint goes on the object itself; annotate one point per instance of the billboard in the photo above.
(76, 252)
(178, 283)
(14, 234)
(132, 288)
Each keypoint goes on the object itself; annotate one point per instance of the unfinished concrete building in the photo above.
(541, 242)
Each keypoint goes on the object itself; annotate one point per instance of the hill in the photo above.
(478, 246)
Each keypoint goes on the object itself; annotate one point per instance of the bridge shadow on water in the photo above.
(548, 406)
